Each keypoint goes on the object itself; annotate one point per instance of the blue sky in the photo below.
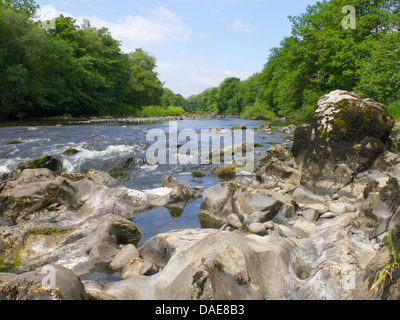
(197, 43)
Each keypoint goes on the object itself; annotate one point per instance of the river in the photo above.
(103, 145)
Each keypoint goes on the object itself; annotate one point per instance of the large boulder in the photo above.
(42, 194)
(210, 265)
(77, 220)
(347, 134)
(46, 162)
(226, 198)
(181, 191)
(174, 195)
(52, 282)
(277, 173)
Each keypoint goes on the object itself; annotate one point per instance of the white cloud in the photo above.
(194, 79)
(49, 12)
(239, 25)
(158, 25)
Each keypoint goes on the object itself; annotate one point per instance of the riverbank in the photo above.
(127, 119)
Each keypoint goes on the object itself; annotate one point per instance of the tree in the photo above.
(70, 70)
(146, 88)
(380, 73)
(227, 91)
(21, 52)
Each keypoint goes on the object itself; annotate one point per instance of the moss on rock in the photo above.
(345, 130)
(46, 162)
(226, 172)
(239, 127)
(70, 151)
(13, 142)
(198, 174)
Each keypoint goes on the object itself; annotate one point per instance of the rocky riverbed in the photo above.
(310, 223)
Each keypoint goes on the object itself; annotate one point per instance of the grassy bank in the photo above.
(158, 111)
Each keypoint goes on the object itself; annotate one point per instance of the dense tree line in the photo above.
(319, 56)
(81, 70)
(70, 70)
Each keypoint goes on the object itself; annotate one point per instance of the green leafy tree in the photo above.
(146, 88)
(380, 72)
(227, 92)
(75, 70)
(22, 46)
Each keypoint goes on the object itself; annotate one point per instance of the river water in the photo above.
(104, 145)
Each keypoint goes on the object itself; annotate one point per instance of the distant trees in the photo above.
(169, 99)
(320, 56)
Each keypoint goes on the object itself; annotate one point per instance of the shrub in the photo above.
(175, 111)
(257, 111)
(394, 109)
(158, 111)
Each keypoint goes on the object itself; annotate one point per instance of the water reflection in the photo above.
(162, 219)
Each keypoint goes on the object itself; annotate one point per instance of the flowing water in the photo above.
(106, 145)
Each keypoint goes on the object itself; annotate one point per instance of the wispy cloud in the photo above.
(151, 26)
(49, 12)
(239, 25)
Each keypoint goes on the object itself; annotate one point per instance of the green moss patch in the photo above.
(70, 152)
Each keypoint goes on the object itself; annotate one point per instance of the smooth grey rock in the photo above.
(127, 253)
(52, 282)
(213, 265)
(210, 264)
(328, 215)
(75, 219)
(181, 191)
(350, 207)
(302, 195)
(287, 210)
(258, 217)
(336, 196)
(231, 197)
(273, 172)
(269, 225)
(234, 221)
(136, 267)
(285, 231)
(103, 252)
(258, 229)
(4, 277)
(321, 209)
(339, 207)
(220, 131)
(310, 215)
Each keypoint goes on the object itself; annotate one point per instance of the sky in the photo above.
(197, 43)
